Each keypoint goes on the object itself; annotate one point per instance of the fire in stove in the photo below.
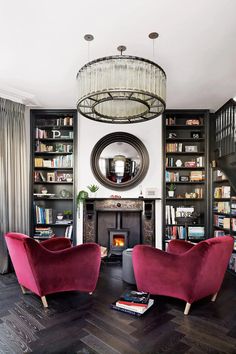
(118, 241)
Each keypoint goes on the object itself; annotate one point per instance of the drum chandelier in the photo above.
(121, 88)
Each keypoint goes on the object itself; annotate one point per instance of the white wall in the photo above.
(150, 133)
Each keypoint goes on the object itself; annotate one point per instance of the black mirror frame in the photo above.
(125, 138)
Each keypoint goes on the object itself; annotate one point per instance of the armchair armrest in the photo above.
(56, 243)
(179, 246)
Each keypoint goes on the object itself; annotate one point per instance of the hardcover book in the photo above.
(135, 296)
(132, 310)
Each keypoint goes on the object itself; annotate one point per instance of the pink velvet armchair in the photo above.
(53, 265)
(186, 271)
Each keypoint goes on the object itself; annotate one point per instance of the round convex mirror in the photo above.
(119, 161)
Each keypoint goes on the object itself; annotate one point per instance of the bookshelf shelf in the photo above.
(189, 182)
(192, 199)
(171, 140)
(58, 182)
(185, 127)
(53, 168)
(54, 133)
(185, 153)
(52, 153)
(186, 167)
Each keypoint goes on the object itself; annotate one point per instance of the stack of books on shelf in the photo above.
(43, 232)
(196, 176)
(133, 302)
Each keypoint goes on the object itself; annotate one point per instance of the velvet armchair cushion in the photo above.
(54, 265)
(188, 272)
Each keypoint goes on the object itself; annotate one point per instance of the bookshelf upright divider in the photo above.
(224, 211)
(54, 133)
(186, 190)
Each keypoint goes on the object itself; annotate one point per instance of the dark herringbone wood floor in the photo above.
(83, 324)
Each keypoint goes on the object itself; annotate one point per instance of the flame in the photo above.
(118, 241)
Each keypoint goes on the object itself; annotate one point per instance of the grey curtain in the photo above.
(14, 174)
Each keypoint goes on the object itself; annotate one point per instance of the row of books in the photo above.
(52, 177)
(59, 161)
(133, 302)
(58, 147)
(52, 134)
(184, 232)
(170, 121)
(43, 215)
(222, 221)
(196, 162)
(222, 192)
(60, 121)
(172, 176)
(69, 231)
(221, 207)
(174, 147)
(179, 212)
(176, 232)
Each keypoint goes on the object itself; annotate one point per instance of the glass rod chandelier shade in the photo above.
(121, 89)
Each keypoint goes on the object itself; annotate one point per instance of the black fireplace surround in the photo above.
(132, 218)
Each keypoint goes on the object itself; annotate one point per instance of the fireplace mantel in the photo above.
(142, 208)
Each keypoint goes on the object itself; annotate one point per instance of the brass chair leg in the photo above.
(214, 297)
(23, 289)
(44, 301)
(187, 308)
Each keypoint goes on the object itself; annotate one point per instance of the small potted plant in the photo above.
(93, 188)
(171, 190)
(67, 214)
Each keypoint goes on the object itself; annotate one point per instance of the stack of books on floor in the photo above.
(133, 302)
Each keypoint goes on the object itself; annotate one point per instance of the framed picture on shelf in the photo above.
(191, 148)
(196, 231)
(184, 178)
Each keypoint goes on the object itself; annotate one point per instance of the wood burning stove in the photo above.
(118, 238)
(118, 241)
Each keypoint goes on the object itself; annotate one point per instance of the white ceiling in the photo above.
(42, 46)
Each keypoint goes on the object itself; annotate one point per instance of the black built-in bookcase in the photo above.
(53, 171)
(186, 168)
